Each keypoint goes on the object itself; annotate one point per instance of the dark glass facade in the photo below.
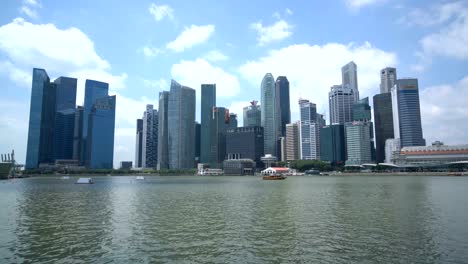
(101, 127)
(284, 109)
(139, 143)
(93, 91)
(208, 102)
(232, 120)
(197, 141)
(245, 143)
(252, 115)
(332, 144)
(163, 131)
(78, 133)
(383, 119)
(362, 110)
(409, 113)
(65, 117)
(218, 139)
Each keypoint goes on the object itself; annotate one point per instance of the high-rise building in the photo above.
(208, 102)
(163, 131)
(149, 150)
(269, 113)
(41, 120)
(101, 127)
(409, 113)
(341, 104)
(358, 138)
(139, 144)
(362, 110)
(197, 142)
(332, 144)
(321, 120)
(218, 139)
(309, 131)
(232, 120)
(245, 143)
(181, 126)
(252, 115)
(78, 133)
(65, 107)
(284, 109)
(93, 91)
(349, 79)
(388, 78)
(292, 141)
(383, 120)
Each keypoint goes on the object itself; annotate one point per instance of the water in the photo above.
(235, 220)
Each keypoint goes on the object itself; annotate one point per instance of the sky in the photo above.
(139, 46)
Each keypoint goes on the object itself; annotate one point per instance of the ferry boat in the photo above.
(85, 181)
(140, 178)
(274, 177)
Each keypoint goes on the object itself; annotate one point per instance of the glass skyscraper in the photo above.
(93, 91)
(332, 144)
(383, 123)
(341, 100)
(64, 117)
(41, 120)
(218, 138)
(101, 127)
(78, 133)
(139, 144)
(269, 114)
(149, 150)
(163, 131)
(292, 141)
(349, 79)
(388, 78)
(181, 126)
(309, 131)
(284, 109)
(252, 115)
(208, 102)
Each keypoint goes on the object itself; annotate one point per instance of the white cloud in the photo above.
(288, 11)
(266, 34)
(160, 12)
(29, 12)
(433, 15)
(356, 4)
(312, 70)
(160, 84)
(197, 72)
(149, 51)
(444, 112)
(190, 37)
(32, 3)
(215, 55)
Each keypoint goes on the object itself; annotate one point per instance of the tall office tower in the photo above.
(292, 141)
(149, 150)
(245, 143)
(93, 91)
(383, 119)
(78, 133)
(309, 131)
(163, 131)
(358, 138)
(41, 120)
(181, 126)
(218, 140)
(197, 142)
(139, 144)
(341, 104)
(64, 126)
(101, 127)
(269, 114)
(388, 78)
(349, 78)
(332, 144)
(252, 115)
(284, 110)
(362, 110)
(232, 120)
(409, 113)
(321, 120)
(208, 102)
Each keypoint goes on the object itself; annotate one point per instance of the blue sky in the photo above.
(139, 46)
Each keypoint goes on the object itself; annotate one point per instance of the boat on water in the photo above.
(5, 169)
(140, 178)
(274, 177)
(65, 177)
(85, 181)
(455, 174)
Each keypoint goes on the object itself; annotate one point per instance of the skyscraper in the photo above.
(309, 131)
(150, 138)
(292, 141)
(383, 119)
(359, 142)
(252, 115)
(269, 114)
(232, 120)
(41, 120)
(78, 133)
(197, 142)
(139, 144)
(388, 78)
(181, 126)
(93, 91)
(409, 113)
(332, 144)
(208, 102)
(218, 139)
(101, 127)
(245, 143)
(163, 131)
(349, 78)
(284, 110)
(341, 104)
(65, 107)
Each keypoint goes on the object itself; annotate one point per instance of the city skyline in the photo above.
(238, 76)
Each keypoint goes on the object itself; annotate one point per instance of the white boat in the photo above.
(140, 178)
(85, 181)
(65, 177)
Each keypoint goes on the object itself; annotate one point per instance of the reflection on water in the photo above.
(235, 219)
